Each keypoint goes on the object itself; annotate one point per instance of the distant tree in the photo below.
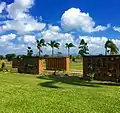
(53, 44)
(46, 55)
(78, 57)
(71, 57)
(83, 48)
(3, 65)
(10, 57)
(40, 44)
(29, 51)
(113, 48)
(100, 55)
(59, 53)
(1, 57)
(68, 46)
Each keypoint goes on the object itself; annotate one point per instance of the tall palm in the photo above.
(29, 51)
(84, 50)
(40, 43)
(68, 46)
(113, 48)
(53, 44)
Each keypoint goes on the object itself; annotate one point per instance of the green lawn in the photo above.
(76, 66)
(20, 93)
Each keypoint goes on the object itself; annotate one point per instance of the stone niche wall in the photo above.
(57, 63)
(105, 68)
(15, 63)
(31, 65)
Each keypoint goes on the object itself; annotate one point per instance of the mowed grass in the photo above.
(76, 66)
(20, 93)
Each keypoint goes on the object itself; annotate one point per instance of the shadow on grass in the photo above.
(50, 84)
(71, 80)
(106, 83)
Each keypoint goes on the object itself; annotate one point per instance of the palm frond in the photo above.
(42, 41)
(38, 41)
(56, 45)
(29, 47)
(71, 45)
(66, 45)
(82, 42)
(112, 46)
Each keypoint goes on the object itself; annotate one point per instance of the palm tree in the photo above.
(53, 44)
(83, 48)
(68, 46)
(40, 43)
(29, 51)
(113, 48)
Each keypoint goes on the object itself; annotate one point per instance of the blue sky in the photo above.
(24, 21)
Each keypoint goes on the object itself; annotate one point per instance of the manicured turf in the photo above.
(21, 93)
(76, 66)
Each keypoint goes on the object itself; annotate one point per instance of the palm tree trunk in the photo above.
(105, 51)
(111, 52)
(52, 51)
(39, 52)
(68, 51)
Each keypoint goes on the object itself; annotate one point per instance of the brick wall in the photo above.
(106, 68)
(31, 65)
(57, 63)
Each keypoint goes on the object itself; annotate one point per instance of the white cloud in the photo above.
(54, 33)
(74, 19)
(6, 44)
(96, 44)
(116, 28)
(2, 6)
(10, 47)
(23, 26)
(8, 37)
(22, 22)
(19, 8)
(27, 39)
(54, 28)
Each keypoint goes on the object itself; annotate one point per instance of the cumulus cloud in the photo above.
(18, 48)
(6, 44)
(25, 26)
(27, 39)
(2, 6)
(54, 33)
(75, 19)
(19, 8)
(96, 44)
(116, 28)
(54, 28)
(9, 37)
(19, 18)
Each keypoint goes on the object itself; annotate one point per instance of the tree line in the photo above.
(110, 49)
(83, 47)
